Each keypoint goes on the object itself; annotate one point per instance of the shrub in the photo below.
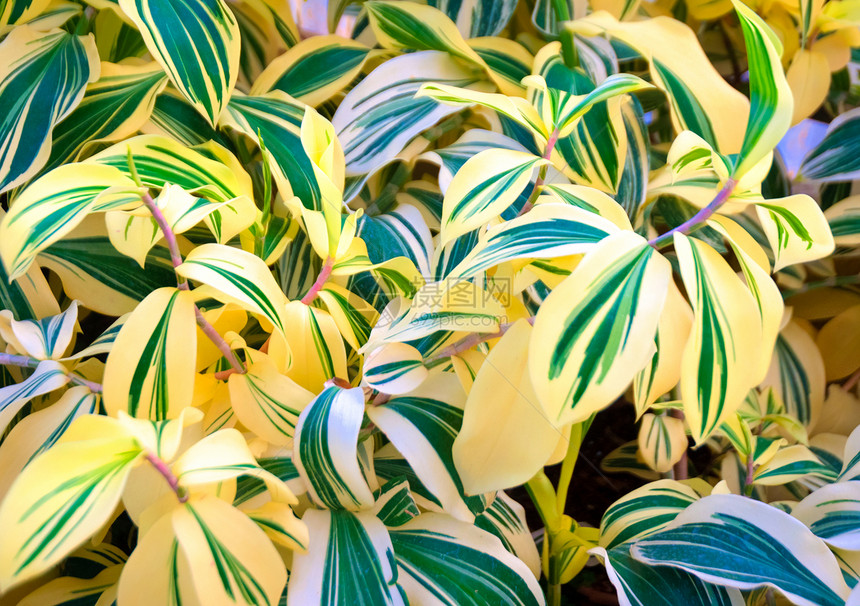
(284, 317)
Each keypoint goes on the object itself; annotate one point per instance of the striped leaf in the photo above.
(314, 344)
(755, 267)
(59, 500)
(423, 426)
(548, 15)
(353, 315)
(67, 591)
(42, 78)
(45, 339)
(99, 276)
(638, 584)
(742, 543)
(627, 459)
(481, 18)
(314, 70)
(30, 296)
(835, 158)
(633, 184)
(506, 519)
(114, 107)
(394, 504)
(266, 29)
(209, 171)
(648, 509)
(663, 371)
(401, 232)
(47, 377)
(844, 221)
(701, 99)
(483, 188)
(237, 277)
(771, 102)
(325, 450)
(13, 12)
(265, 401)
(54, 205)
(394, 368)
(441, 560)
(723, 350)
(281, 525)
(600, 324)
(382, 114)
(276, 120)
(662, 441)
(797, 374)
(350, 557)
(38, 431)
(789, 464)
(283, 468)
(587, 198)
(212, 554)
(150, 370)
(507, 62)
(175, 118)
(796, 230)
(851, 459)
(548, 230)
(197, 43)
(506, 437)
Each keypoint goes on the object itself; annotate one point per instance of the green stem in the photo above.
(553, 594)
(577, 435)
(543, 496)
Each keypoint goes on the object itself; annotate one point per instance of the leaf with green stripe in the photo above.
(353, 315)
(114, 107)
(480, 18)
(350, 557)
(851, 459)
(549, 15)
(174, 117)
(394, 368)
(441, 560)
(325, 450)
(796, 229)
(65, 495)
(281, 525)
(238, 277)
(422, 426)
(506, 519)
(639, 584)
(483, 188)
(314, 70)
(394, 503)
(648, 509)
(382, 114)
(548, 230)
(771, 101)
(844, 221)
(400, 232)
(150, 370)
(54, 205)
(587, 198)
(211, 554)
(29, 297)
(313, 344)
(599, 324)
(38, 431)
(789, 464)
(13, 12)
(721, 355)
(45, 339)
(197, 43)
(99, 276)
(662, 441)
(266, 401)
(507, 61)
(837, 156)
(71, 591)
(742, 543)
(47, 377)
(797, 374)
(276, 120)
(208, 171)
(42, 79)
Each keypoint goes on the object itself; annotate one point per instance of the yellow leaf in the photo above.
(662, 441)
(809, 80)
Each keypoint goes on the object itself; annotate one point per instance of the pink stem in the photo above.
(172, 481)
(472, 340)
(547, 155)
(700, 217)
(325, 273)
(28, 362)
(176, 259)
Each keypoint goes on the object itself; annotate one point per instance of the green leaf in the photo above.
(599, 324)
(325, 449)
(833, 513)
(197, 43)
(736, 541)
(349, 557)
(394, 503)
(443, 560)
(42, 78)
(837, 157)
(482, 18)
(49, 376)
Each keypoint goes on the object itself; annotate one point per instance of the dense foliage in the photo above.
(284, 315)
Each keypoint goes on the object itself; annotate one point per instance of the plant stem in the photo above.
(172, 481)
(547, 154)
(681, 469)
(324, 275)
(472, 340)
(748, 481)
(577, 434)
(553, 594)
(28, 362)
(700, 217)
(182, 284)
(831, 282)
(852, 381)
